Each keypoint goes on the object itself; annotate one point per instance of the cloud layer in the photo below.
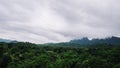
(43, 21)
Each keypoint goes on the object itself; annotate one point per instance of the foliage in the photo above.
(28, 55)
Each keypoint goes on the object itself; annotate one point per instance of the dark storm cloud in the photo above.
(42, 21)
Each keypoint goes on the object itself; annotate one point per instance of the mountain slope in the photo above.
(85, 41)
(7, 41)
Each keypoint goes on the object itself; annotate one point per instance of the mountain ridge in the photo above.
(7, 40)
(84, 41)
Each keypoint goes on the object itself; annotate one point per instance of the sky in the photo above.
(45, 21)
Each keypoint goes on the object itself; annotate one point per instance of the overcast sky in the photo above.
(43, 21)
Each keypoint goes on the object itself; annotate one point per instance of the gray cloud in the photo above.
(42, 21)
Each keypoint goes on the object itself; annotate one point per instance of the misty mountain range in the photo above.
(7, 41)
(84, 41)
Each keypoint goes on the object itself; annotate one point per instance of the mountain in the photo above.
(7, 41)
(85, 41)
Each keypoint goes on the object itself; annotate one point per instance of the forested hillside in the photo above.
(28, 55)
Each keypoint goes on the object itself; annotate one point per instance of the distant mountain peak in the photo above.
(85, 40)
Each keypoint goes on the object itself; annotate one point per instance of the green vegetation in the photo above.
(27, 55)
